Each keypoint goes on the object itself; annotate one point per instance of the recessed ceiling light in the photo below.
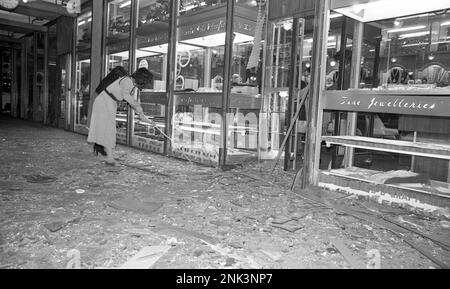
(415, 34)
(406, 29)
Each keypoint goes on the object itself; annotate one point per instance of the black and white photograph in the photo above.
(224, 141)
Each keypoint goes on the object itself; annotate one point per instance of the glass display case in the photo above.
(398, 88)
(117, 51)
(198, 118)
(83, 69)
(152, 38)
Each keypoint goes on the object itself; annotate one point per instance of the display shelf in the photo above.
(431, 150)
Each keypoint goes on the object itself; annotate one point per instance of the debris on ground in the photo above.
(201, 217)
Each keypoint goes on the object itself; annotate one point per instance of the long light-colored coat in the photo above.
(102, 127)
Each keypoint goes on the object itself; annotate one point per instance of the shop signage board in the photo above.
(414, 104)
(153, 39)
(241, 101)
(215, 26)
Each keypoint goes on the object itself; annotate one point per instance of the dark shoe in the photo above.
(99, 149)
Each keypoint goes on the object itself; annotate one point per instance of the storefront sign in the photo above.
(241, 101)
(206, 100)
(153, 39)
(395, 104)
(216, 26)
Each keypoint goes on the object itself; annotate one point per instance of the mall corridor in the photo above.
(62, 207)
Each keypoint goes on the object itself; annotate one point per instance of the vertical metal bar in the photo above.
(300, 36)
(376, 65)
(24, 82)
(355, 76)
(343, 53)
(226, 80)
(14, 82)
(132, 64)
(97, 40)
(45, 84)
(34, 88)
(171, 69)
(68, 80)
(207, 69)
(413, 158)
(263, 85)
(292, 85)
(318, 72)
(340, 86)
(73, 72)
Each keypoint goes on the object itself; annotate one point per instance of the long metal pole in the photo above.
(132, 65)
(226, 80)
(355, 76)
(318, 71)
(292, 85)
(171, 69)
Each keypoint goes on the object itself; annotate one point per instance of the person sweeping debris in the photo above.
(116, 86)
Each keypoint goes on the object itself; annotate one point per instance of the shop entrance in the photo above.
(286, 75)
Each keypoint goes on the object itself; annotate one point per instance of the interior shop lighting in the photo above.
(333, 62)
(415, 34)
(125, 4)
(407, 29)
(163, 48)
(445, 23)
(425, 43)
(375, 10)
(335, 15)
(414, 44)
(81, 23)
(217, 40)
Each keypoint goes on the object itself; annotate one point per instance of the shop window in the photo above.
(399, 93)
(152, 41)
(199, 75)
(83, 69)
(245, 97)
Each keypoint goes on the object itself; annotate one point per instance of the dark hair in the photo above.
(142, 76)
